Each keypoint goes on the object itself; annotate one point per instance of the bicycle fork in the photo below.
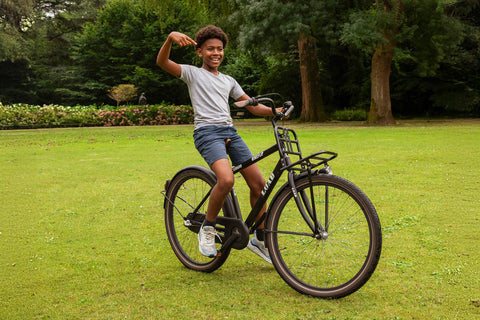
(306, 206)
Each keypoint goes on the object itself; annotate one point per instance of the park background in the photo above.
(81, 221)
(414, 57)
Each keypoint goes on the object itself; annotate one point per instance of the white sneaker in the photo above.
(206, 241)
(258, 247)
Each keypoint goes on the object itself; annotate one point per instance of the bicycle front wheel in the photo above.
(340, 256)
(186, 192)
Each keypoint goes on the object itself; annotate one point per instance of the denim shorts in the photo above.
(210, 142)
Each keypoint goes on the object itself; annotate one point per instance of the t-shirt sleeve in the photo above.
(236, 91)
(186, 72)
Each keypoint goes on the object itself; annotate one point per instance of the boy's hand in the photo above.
(181, 39)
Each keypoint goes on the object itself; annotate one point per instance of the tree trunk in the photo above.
(312, 103)
(381, 105)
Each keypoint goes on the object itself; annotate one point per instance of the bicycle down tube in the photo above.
(307, 211)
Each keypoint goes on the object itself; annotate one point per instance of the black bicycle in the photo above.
(322, 232)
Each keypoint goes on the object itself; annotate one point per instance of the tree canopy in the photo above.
(422, 55)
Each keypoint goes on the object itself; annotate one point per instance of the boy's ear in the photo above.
(199, 52)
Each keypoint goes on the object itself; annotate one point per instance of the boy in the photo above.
(209, 92)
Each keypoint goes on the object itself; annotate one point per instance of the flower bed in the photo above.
(23, 116)
(147, 115)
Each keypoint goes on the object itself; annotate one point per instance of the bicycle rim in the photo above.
(344, 259)
(185, 194)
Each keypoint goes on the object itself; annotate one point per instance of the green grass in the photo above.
(82, 233)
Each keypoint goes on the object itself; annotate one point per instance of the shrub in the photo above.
(147, 115)
(124, 92)
(47, 116)
(350, 115)
(23, 116)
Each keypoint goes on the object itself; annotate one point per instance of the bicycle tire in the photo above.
(335, 266)
(184, 193)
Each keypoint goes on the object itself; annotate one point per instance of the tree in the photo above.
(456, 87)
(58, 78)
(331, 76)
(13, 24)
(416, 31)
(122, 44)
(123, 92)
(313, 108)
(35, 42)
(280, 24)
(14, 54)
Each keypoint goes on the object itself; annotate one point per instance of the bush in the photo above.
(350, 115)
(147, 115)
(47, 116)
(124, 92)
(23, 116)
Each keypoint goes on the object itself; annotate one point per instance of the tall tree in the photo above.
(280, 24)
(457, 85)
(309, 29)
(35, 39)
(122, 44)
(57, 78)
(413, 30)
(14, 21)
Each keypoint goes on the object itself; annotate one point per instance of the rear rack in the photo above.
(289, 145)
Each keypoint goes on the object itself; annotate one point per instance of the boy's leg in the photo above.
(256, 183)
(225, 181)
(239, 152)
(207, 233)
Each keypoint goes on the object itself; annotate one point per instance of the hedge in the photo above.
(23, 116)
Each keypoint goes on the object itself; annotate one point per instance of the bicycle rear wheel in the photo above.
(338, 261)
(185, 192)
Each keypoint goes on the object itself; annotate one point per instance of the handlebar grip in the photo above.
(250, 102)
(289, 110)
(254, 101)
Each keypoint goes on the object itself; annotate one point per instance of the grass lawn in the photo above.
(82, 231)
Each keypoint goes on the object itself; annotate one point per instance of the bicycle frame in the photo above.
(285, 146)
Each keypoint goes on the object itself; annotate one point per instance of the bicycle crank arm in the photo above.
(227, 245)
(236, 233)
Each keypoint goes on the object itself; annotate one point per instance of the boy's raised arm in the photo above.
(163, 60)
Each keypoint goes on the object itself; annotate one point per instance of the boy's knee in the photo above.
(258, 185)
(226, 183)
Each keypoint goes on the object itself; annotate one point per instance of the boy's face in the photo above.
(211, 52)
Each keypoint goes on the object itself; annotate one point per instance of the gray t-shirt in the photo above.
(209, 94)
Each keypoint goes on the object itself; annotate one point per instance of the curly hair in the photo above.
(210, 32)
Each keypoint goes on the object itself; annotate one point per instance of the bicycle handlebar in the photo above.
(254, 101)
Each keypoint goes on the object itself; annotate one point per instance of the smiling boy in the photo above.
(209, 92)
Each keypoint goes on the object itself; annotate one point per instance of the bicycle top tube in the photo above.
(260, 156)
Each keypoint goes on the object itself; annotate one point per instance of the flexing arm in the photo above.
(163, 60)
